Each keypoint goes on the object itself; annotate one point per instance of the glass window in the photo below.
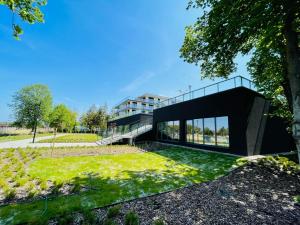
(168, 130)
(209, 131)
(162, 130)
(176, 130)
(222, 131)
(189, 131)
(159, 130)
(198, 131)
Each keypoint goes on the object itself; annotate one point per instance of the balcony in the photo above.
(114, 117)
(136, 107)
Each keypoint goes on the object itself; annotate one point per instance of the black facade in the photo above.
(251, 130)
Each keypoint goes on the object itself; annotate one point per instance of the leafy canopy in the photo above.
(95, 117)
(62, 118)
(28, 10)
(227, 28)
(31, 105)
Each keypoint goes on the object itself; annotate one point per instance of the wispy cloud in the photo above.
(139, 81)
(146, 76)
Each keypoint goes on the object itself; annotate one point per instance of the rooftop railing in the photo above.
(231, 83)
(224, 85)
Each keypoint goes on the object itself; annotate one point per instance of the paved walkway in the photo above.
(28, 143)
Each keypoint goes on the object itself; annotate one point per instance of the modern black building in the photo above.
(235, 120)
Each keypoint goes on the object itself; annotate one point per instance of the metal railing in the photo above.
(129, 114)
(228, 84)
(131, 130)
(136, 107)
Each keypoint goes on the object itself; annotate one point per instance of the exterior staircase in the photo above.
(116, 137)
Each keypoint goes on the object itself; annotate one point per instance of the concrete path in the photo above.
(28, 143)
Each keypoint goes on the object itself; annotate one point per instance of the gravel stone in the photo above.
(252, 194)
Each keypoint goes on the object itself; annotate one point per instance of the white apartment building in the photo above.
(142, 104)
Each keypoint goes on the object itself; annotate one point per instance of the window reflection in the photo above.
(189, 131)
(209, 131)
(198, 131)
(168, 130)
(222, 131)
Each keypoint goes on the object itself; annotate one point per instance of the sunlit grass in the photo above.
(17, 137)
(73, 138)
(105, 179)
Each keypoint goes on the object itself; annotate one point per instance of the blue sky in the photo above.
(99, 52)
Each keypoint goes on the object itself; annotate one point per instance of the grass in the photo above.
(297, 199)
(17, 137)
(108, 179)
(73, 138)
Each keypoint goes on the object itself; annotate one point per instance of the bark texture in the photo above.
(293, 64)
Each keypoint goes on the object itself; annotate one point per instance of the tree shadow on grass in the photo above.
(96, 191)
(209, 162)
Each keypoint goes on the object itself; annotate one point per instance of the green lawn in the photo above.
(17, 137)
(114, 178)
(73, 138)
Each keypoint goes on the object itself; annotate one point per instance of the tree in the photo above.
(61, 118)
(208, 131)
(269, 29)
(27, 10)
(31, 106)
(222, 131)
(95, 118)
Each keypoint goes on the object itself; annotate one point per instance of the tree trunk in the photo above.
(293, 64)
(35, 125)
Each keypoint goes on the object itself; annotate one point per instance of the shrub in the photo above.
(19, 167)
(57, 186)
(76, 188)
(9, 193)
(14, 160)
(30, 186)
(131, 218)
(109, 221)
(31, 194)
(3, 183)
(9, 154)
(21, 172)
(7, 174)
(34, 154)
(20, 182)
(65, 219)
(89, 217)
(158, 222)
(282, 163)
(113, 211)
(43, 185)
(297, 199)
(5, 167)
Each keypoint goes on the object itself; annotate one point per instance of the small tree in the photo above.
(31, 106)
(61, 118)
(95, 118)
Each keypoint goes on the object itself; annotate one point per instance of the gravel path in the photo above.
(253, 194)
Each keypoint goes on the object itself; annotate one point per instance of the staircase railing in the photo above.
(129, 129)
